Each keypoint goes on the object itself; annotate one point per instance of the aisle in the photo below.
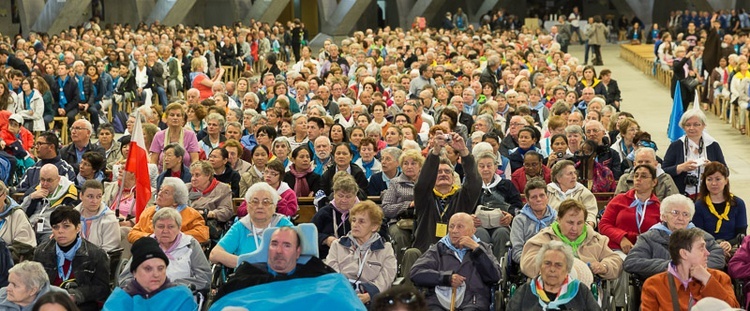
(651, 104)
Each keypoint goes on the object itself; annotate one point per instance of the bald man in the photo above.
(193, 96)
(459, 260)
(52, 191)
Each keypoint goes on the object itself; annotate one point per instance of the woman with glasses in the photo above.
(287, 204)
(246, 234)
(625, 145)
(650, 255)
(214, 136)
(527, 139)
(686, 157)
(718, 211)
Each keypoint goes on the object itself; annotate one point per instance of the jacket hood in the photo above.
(283, 186)
(274, 222)
(495, 180)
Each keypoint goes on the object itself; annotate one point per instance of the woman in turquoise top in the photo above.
(245, 235)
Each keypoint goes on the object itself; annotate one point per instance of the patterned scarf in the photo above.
(573, 244)
(721, 217)
(568, 291)
(301, 188)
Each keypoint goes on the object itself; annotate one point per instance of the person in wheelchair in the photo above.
(650, 255)
(687, 278)
(207, 193)
(17, 230)
(173, 194)
(150, 288)
(533, 217)
(718, 211)
(29, 282)
(499, 196)
(246, 234)
(73, 263)
(98, 223)
(553, 288)
(739, 267)
(399, 197)
(189, 265)
(460, 269)
(363, 256)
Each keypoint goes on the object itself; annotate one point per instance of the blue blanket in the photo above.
(327, 292)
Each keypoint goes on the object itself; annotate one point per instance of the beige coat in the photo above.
(219, 201)
(104, 231)
(380, 268)
(580, 193)
(18, 228)
(597, 34)
(593, 249)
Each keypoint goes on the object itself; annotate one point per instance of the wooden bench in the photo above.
(63, 128)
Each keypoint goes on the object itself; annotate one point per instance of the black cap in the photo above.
(144, 249)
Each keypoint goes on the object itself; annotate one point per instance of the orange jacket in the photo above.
(656, 295)
(192, 224)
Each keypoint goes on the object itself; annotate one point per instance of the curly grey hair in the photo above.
(556, 246)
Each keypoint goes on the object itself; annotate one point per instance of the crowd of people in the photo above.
(470, 139)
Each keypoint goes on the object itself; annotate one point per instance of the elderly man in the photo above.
(233, 130)
(510, 141)
(52, 191)
(322, 156)
(173, 194)
(80, 137)
(464, 118)
(651, 253)
(575, 118)
(458, 261)
(587, 94)
(425, 78)
(665, 186)
(604, 154)
(491, 71)
(46, 150)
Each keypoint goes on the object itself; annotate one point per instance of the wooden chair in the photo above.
(63, 128)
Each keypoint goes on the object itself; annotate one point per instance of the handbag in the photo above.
(490, 217)
(690, 83)
(405, 224)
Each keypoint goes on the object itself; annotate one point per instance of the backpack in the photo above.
(119, 121)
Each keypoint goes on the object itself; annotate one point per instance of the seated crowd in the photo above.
(481, 149)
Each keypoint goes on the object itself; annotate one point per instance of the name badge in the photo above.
(40, 226)
(441, 230)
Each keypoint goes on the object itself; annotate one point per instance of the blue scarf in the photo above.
(27, 99)
(663, 227)
(460, 253)
(63, 100)
(640, 212)
(114, 82)
(84, 228)
(95, 91)
(63, 256)
(545, 222)
(81, 94)
(368, 168)
(5, 213)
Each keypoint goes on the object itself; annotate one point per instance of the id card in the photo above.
(40, 226)
(441, 230)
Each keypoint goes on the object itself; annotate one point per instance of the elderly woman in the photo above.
(175, 133)
(246, 235)
(18, 229)
(281, 149)
(565, 185)
(111, 147)
(149, 287)
(173, 194)
(717, 210)
(214, 137)
(367, 150)
(687, 264)
(381, 181)
(685, 157)
(625, 145)
(631, 213)
(650, 255)
(553, 261)
(533, 217)
(300, 176)
(342, 158)
(208, 194)
(362, 254)
(287, 205)
(27, 282)
(527, 140)
(73, 263)
(99, 225)
(173, 165)
(497, 194)
(188, 265)
(533, 167)
(218, 158)
(574, 134)
(400, 196)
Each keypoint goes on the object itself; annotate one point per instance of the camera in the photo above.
(448, 138)
(560, 155)
(691, 180)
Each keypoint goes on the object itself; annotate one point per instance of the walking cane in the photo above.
(453, 299)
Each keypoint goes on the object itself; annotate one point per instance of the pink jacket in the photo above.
(288, 203)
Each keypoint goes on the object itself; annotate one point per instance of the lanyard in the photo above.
(256, 238)
(60, 271)
(445, 209)
(335, 225)
(640, 215)
(362, 263)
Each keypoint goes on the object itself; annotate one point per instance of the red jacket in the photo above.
(518, 178)
(27, 138)
(619, 221)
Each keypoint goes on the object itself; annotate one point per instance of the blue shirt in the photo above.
(705, 220)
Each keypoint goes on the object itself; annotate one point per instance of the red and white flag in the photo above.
(137, 163)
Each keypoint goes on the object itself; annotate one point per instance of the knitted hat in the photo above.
(144, 249)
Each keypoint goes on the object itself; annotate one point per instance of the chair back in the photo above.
(308, 235)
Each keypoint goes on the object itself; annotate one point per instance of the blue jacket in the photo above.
(177, 298)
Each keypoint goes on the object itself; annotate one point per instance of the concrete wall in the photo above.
(7, 27)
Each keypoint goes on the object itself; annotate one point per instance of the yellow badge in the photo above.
(441, 230)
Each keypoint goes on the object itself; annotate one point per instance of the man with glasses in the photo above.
(328, 103)
(665, 185)
(52, 191)
(510, 141)
(80, 137)
(604, 154)
(46, 152)
(586, 96)
(650, 255)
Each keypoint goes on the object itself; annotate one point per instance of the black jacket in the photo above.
(313, 181)
(675, 155)
(18, 64)
(70, 90)
(613, 93)
(231, 178)
(90, 268)
(88, 90)
(327, 179)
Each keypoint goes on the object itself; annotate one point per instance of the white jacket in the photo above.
(36, 113)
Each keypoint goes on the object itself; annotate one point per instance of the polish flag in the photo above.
(137, 163)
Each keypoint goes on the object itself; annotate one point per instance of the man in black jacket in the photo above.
(80, 143)
(12, 61)
(64, 91)
(84, 96)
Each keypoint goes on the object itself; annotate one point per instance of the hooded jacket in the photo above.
(17, 227)
(219, 200)
(525, 226)
(288, 204)
(578, 193)
(7, 305)
(31, 178)
(104, 231)
(379, 269)
(36, 209)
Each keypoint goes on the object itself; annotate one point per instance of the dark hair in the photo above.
(399, 298)
(277, 166)
(296, 151)
(711, 168)
(408, 120)
(179, 152)
(106, 127)
(53, 297)
(63, 213)
(252, 153)
(343, 132)
(318, 121)
(533, 184)
(682, 239)
(369, 141)
(534, 154)
(570, 205)
(223, 152)
(556, 136)
(336, 146)
(452, 115)
(651, 170)
(51, 139)
(533, 131)
(268, 130)
(96, 160)
(91, 184)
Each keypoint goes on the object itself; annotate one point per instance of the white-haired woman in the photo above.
(187, 265)
(554, 288)
(246, 235)
(27, 281)
(686, 156)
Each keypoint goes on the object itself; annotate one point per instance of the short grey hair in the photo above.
(556, 246)
(374, 128)
(179, 152)
(486, 118)
(261, 187)
(252, 96)
(675, 200)
(645, 150)
(86, 124)
(217, 117)
(167, 213)
(239, 113)
(690, 113)
(486, 155)
(345, 101)
(574, 129)
(392, 151)
(481, 147)
(31, 273)
(477, 135)
(180, 189)
(296, 117)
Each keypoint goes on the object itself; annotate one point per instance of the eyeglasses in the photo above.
(77, 128)
(41, 143)
(676, 213)
(687, 125)
(532, 164)
(256, 202)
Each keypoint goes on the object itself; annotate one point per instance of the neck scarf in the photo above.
(27, 99)
(180, 141)
(549, 217)
(63, 256)
(81, 93)
(453, 191)
(4, 214)
(171, 248)
(85, 228)
(210, 187)
(721, 217)
(301, 188)
(63, 100)
(573, 244)
(368, 168)
(640, 211)
(568, 291)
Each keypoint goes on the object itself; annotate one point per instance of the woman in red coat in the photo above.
(633, 212)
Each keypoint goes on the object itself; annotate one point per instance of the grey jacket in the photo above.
(523, 229)
(650, 255)
(7, 305)
(397, 197)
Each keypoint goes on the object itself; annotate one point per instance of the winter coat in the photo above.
(397, 197)
(597, 34)
(650, 255)
(500, 191)
(7, 305)
(593, 249)
(578, 193)
(219, 200)
(192, 224)
(379, 270)
(656, 295)
(68, 153)
(17, 227)
(619, 219)
(675, 155)
(524, 228)
(524, 299)
(35, 111)
(31, 179)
